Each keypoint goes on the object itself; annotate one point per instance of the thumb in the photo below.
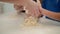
(39, 2)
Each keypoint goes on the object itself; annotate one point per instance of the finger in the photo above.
(39, 2)
(15, 6)
(18, 7)
(36, 11)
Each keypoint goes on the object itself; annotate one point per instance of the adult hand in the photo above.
(33, 9)
(18, 8)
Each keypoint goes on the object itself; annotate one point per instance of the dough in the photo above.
(31, 21)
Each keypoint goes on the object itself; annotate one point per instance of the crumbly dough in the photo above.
(31, 21)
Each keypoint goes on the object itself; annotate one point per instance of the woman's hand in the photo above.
(18, 8)
(32, 7)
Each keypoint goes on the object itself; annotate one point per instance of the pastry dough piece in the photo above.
(31, 21)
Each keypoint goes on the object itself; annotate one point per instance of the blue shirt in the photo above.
(52, 5)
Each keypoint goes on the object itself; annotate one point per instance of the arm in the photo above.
(50, 14)
(22, 2)
(10, 1)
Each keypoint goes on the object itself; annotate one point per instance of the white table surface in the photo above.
(10, 24)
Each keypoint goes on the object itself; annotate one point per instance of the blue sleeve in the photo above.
(52, 5)
(59, 5)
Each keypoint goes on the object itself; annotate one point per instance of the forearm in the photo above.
(51, 14)
(13, 1)
(18, 2)
(9, 1)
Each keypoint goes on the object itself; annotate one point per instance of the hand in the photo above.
(19, 8)
(32, 7)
